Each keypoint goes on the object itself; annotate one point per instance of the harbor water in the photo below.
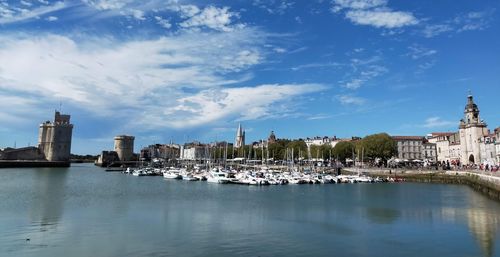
(84, 211)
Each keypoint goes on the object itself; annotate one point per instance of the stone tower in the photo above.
(272, 138)
(124, 147)
(54, 138)
(471, 128)
(240, 137)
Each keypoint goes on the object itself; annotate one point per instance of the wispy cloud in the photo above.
(317, 65)
(382, 18)
(417, 52)
(363, 70)
(211, 17)
(374, 13)
(246, 103)
(350, 100)
(437, 122)
(9, 14)
(461, 23)
(182, 82)
(279, 7)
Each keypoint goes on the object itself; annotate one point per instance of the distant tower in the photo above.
(240, 137)
(124, 147)
(54, 139)
(471, 128)
(272, 138)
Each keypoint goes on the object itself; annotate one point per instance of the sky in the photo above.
(177, 71)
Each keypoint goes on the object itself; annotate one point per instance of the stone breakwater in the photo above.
(486, 184)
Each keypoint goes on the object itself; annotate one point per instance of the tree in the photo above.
(277, 150)
(326, 151)
(378, 146)
(299, 147)
(344, 150)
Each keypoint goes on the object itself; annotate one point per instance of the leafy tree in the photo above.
(344, 150)
(299, 148)
(378, 146)
(326, 151)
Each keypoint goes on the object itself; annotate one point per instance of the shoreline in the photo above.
(485, 184)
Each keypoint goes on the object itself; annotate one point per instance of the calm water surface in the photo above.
(84, 211)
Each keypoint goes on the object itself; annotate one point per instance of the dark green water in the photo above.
(83, 211)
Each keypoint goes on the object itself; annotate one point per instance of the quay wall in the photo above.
(486, 184)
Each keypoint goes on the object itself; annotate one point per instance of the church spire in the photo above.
(240, 137)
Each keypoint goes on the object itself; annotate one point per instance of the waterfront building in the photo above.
(161, 151)
(240, 137)
(319, 141)
(487, 149)
(409, 147)
(472, 144)
(442, 141)
(194, 151)
(429, 151)
(54, 138)
(471, 129)
(334, 142)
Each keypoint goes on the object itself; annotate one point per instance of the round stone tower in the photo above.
(124, 147)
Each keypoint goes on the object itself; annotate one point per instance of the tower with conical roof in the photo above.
(240, 137)
(472, 129)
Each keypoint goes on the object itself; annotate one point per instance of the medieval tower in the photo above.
(240, 137)
(124, 147)
(471, 128)
(54, 138)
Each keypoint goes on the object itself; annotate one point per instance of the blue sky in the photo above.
(191, 70)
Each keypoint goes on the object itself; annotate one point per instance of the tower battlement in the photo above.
(54, 138)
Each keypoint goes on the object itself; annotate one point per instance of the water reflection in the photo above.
(47, 204)
(483, 223)
(382, 215)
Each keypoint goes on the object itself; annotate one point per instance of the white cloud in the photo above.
(437, 122)
(363, 70)
(163, 22)
(357, 4)
(138, 14)
(111, 79)
(248, 103)
(435, 30)
(354, 84)
(26, 3)
(12, 15)
(382, 18)
(211, 17)
(51, 18)
(317, 65)
(107, 4)
(350, 100)
(417, 52)
(374, 13)
(279, 7)
(461, 23)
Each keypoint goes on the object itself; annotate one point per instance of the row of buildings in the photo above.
(473, 143)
